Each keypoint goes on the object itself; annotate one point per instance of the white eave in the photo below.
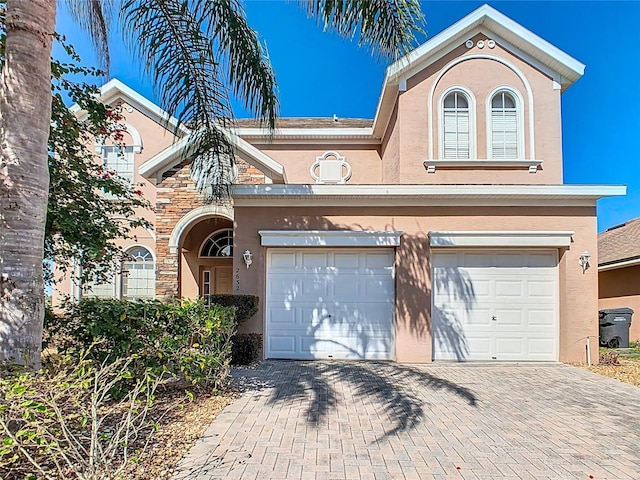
(172, 155)
(507, 32)
(115, 90)
(421, 195)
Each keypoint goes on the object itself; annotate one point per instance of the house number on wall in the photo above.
(237, 279)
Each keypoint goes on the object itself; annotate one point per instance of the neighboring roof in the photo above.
(620, 244)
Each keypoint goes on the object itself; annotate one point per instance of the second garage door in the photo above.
(330, 303)
(495, 305)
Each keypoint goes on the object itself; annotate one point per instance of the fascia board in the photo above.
(619, 264)
(422, 195)
(495, 21)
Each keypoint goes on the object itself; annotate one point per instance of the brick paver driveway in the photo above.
(347, 420)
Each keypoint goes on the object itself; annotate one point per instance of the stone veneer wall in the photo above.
(176, 195)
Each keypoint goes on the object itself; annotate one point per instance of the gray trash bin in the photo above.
(614, 327)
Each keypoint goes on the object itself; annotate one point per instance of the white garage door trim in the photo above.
(522, 326)
(336, 303)
(329, 238)
(500, 239)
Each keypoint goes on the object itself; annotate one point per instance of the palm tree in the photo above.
(200, 53)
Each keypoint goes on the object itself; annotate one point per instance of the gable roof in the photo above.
(564, 69)
(620, 245)
(174, 154)
(115, 90)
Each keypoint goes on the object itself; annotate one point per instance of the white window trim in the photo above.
(120, 276)
(520, 119)
(500, 239)
(330, 238)
(471, 100)
(506, 63)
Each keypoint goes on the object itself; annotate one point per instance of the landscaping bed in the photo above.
(623, 364)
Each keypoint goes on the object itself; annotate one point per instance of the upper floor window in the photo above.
(504, 140)
(220, 244)
(119, 159)
(456, 126)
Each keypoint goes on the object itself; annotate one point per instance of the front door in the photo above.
(215, 280)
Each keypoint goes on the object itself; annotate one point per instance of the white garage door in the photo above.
(495, 305)
(330, 303)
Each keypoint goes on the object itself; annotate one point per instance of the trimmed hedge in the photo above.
(187, 340)
(246, 305)
(246, 348)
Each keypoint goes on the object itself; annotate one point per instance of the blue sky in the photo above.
(320, 74)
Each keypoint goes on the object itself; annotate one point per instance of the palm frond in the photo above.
(94, 17)
(196, 53)
(388, 27)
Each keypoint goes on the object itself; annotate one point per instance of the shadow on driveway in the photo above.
(389, 388)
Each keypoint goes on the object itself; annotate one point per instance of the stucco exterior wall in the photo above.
(479, 71)
(390, 150)
(297, 160)
(620, 288)
(578, 291)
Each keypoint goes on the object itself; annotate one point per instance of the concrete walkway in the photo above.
(348, 420)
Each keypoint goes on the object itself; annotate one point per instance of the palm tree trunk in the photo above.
(25, 115)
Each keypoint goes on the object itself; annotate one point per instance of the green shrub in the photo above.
(246, 348)
(246, 305)
(187, 340)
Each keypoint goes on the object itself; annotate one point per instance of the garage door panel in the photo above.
(543, 318)
(282, 344)
(333, 303)
(346, 260)
(511, 346)
(518, 288)
(378, 260)
(509, 288)
(313, 260)
(509, 317)
(541, 289)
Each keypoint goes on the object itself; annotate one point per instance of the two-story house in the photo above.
(439, 230)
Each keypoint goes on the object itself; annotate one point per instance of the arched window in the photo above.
(505, 134)
(219, 244)
(119, 159)
(456, 126)
(138, 274)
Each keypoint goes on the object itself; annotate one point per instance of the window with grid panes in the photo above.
(456, 126)
(504, 127)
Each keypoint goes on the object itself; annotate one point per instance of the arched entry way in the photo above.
(206, 257)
